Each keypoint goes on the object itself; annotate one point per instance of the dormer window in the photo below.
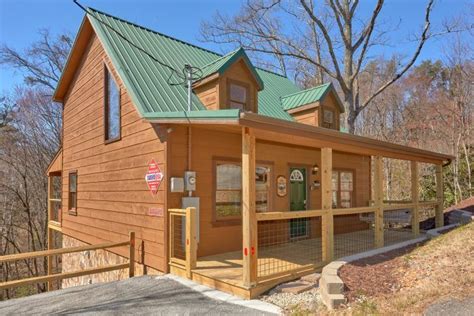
(238, 96)
(328, 118)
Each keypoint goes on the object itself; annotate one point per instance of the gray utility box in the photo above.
(177, 184)
(191, 201)
(190, 180)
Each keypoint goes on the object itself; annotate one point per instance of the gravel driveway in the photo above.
(144, 295)
(452, 307)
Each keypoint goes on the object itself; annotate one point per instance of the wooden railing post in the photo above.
(249, 219)
(49, 259)
(191, 249)
(327, 224)
(439, 196)
(378, 198)
(131, 268)
(415, 198)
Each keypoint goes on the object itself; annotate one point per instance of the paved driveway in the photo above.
(144, 295)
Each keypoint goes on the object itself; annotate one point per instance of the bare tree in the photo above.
(331, 39)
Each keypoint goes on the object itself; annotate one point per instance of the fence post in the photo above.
(415, 197)
(191, 251)
(439, 196)
(131, 268)
(378, 197)
(327, 224)
(50, 258)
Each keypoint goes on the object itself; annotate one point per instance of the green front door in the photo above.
(298, 227)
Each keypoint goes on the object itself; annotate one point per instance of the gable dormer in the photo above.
(229, 82)
(318, 106)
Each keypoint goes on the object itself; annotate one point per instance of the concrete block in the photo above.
(331, 284)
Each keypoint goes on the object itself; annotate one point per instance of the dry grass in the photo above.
(440, 269)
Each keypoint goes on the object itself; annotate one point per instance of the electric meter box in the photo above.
(190, 181)
(177, 184)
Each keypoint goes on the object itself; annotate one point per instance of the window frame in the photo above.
(247, 105)
(109, 76)
(353, 194)
(71, 210)
(237, 220)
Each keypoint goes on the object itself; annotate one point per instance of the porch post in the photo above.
(378, 197)
(50, 233)
(327, 225)
(249, 219)
(439, 196)
(415, 197)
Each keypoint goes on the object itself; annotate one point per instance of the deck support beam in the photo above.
(249, 219)
(415, 198)
(327, 224)
(439, 196)
(378, 198)
(191, 241)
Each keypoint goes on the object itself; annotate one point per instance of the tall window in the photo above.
(112, 108)
(238, 96)
(342, 188)
(72, 197)
(228, 203)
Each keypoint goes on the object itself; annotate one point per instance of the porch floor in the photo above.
(227, 267)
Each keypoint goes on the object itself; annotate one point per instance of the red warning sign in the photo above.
(153, 177)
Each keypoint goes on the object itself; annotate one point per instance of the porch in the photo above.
(271, 249)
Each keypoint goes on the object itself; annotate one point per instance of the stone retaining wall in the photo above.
(93, 259)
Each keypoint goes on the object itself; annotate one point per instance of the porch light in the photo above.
(315, 169)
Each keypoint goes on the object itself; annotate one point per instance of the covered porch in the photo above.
(272, 250)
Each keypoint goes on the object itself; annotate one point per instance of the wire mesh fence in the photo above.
(353, 233)
(177, 236)
(397, 225)
(288, 244)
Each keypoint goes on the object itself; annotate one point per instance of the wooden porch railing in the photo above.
(65, 275)
(183, 237)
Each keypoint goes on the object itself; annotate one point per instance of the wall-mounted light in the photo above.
(315, 169)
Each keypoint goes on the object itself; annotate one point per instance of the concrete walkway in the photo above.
(144, 295)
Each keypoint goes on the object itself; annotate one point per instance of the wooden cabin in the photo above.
(247, 183)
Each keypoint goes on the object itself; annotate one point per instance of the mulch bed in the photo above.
(376, 275)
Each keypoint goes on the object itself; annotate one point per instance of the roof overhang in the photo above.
(294, 133)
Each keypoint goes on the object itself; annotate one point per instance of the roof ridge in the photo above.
(305, 90)
(156, 32)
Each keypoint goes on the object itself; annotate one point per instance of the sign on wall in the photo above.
(153, 177)
(281, 186)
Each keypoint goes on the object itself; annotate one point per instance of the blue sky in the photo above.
(20, 20)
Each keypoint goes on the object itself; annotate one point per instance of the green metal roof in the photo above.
(153, 87)
(304, 97)
(221, 64)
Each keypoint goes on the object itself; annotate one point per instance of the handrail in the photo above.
(59, 276)
(60, 251)
(177, 211)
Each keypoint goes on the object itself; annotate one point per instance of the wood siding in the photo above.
(207, 144)
(112, 195)
(309, 116)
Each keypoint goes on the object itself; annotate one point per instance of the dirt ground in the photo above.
(410, 279)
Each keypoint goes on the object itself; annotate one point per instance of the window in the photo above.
(112, 108)
(328, 118)
(237, 96)
(342, 189)
(72, 197)
(228, 203)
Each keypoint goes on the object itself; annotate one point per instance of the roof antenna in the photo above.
(189, 76)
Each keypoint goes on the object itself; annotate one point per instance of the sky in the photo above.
(20, 21)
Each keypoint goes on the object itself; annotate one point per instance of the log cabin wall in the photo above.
(207, 145)
(112, 196)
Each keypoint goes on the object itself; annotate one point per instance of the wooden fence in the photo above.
(65, 275)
